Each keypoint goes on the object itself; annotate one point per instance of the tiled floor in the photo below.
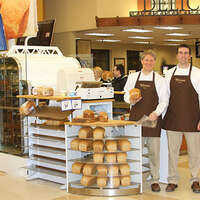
(17, 188)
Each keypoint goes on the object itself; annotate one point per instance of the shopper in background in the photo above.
(152, 103)
(119, 81)
(97, 73)
(183, 116)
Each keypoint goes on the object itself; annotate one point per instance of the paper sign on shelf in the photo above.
(74, 104)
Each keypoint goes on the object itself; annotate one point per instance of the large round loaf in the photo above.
(103, 117)
(98, 133)
(88, 114)
(135, 93)
(85, 132)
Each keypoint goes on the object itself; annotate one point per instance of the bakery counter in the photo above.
(103, 158)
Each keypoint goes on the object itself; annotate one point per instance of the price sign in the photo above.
(76, 104)
(66, 105)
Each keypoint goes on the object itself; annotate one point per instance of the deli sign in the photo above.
(160, 7)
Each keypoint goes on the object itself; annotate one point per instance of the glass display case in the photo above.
(11, 126)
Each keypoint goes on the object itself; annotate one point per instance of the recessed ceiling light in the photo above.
(137, 30)
(140, 37)
(100, 34)
(167, 27)
(178, 34)
(108, 40)
(175, 40)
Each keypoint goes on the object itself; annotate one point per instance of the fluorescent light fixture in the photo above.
(178, 34)
(174, 40)
(108, 40)
(140, 37)
(137, 30)
(171, 44)
(143, 42)
(100, 34)
(168, 27)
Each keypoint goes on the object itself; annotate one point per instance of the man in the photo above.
(118, 84)
(119, 81)
(182, 116)
(152, 103)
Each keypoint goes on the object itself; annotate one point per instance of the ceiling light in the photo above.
(178, 34)
(137, 30)
(100, 34)
(140, 37)
(167, 27)
(108, 40)
(172, 44)
(174, 40)
(143, 42)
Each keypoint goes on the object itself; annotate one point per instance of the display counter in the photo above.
(107, 164)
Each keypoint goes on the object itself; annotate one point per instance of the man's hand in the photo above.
(198, 126)
(133, 100)
(153, 116)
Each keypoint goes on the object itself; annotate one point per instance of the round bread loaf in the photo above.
(88, 114)
(103, 117)
(98, 133)
(135, 93)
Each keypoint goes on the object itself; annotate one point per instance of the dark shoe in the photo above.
(155, 187)
(171, 187)
(195, 187)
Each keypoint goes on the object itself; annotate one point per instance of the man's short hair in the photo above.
(148, 52)
(120, 68)
(183, 46)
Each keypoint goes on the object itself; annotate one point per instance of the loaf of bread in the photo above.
(27, 108)
(89, 169)
(135, 94)
(88, 180)
(98, 146)
(124, 145)
(53, 123)
(88, 114)
(85, 132)
(111, 158)
(121, 157)
(111, 145)
(98, 157)
(75, 144)
(77, 167)
(113, 170)
(85, 145)
(102, 181)
(98, 133)
(103, 117)
(115, 182)
(102, 170)
(125, 180)
(124, 169)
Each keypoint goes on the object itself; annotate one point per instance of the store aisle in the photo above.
(17, 188)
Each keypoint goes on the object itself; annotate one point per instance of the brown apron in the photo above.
(146, 105)
(183, 112)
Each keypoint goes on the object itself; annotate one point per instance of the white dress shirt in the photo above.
(160, 85)
(195, 77)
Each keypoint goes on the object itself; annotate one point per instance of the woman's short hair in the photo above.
(98, 70)
(148, 52)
